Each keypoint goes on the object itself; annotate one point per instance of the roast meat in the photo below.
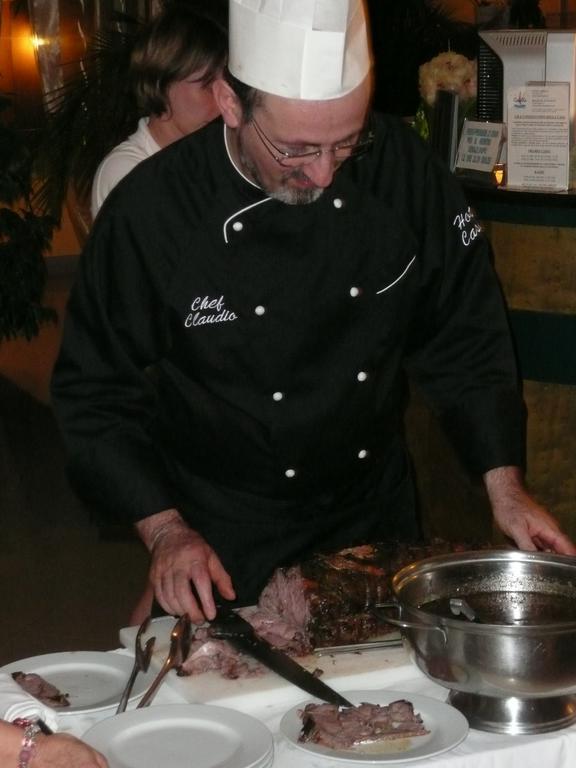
(326, 600)
(323, 601)
(346, 727)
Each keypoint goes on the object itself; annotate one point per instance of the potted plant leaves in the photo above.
(24, 237)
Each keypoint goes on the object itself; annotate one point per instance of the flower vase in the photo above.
(424, 122)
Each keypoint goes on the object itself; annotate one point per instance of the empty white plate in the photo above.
(183, 736)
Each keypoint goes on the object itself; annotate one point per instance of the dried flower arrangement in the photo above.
(448, 71)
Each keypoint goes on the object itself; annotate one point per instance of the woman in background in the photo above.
(173, 64)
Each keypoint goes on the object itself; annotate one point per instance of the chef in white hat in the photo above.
(312, 61)
(282, 272)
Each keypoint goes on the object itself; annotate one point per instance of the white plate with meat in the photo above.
(399, 727)
(181, 736)
(86, 681)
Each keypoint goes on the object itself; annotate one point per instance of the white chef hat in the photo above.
(299, 49)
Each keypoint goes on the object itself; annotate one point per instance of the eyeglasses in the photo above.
(340, 152)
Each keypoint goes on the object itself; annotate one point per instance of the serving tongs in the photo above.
(179, 643)
(142, 657)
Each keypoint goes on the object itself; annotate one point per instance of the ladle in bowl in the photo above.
(460, 606)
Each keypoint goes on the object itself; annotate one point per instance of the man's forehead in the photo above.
(345, 110)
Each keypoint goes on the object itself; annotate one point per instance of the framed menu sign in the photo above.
(479, 147)
(539, 136)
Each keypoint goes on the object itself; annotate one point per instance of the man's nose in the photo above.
(321, 170)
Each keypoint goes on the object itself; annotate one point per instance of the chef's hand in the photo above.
(64, 751)
(180, 556)
(521, 518)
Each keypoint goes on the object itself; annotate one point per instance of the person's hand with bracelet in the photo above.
(28, 747)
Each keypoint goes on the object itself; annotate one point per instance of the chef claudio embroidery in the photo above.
(468, 226)
(205, 310)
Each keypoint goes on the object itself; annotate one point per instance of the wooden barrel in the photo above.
(534, 242)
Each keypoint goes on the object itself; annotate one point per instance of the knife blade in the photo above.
(230, 626)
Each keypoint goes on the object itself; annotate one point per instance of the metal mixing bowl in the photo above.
(515, 670)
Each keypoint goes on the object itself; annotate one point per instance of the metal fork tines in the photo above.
(142, 656)
(179, 638)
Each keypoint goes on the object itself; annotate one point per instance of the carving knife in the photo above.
(228, 625)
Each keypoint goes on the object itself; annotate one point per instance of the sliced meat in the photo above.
(346, 727)
(41, 689)
(207, 654)
(323, 601)
(327, 599)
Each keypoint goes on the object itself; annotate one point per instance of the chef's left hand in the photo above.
(520, 517)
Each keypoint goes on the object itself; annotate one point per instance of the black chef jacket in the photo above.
(245, 360)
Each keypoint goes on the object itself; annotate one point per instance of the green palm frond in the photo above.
(86, 117)
(24, 238)
(15, 166)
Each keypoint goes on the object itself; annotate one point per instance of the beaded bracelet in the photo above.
(28, 744)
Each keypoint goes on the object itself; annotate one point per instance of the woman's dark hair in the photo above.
(187, 38)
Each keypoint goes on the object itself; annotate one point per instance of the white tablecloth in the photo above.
(478, 750)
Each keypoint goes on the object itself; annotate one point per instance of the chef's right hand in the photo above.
(181, 555)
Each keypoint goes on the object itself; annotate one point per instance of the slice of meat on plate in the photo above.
(41, 689)
(343, 728)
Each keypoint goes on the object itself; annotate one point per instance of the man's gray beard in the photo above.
(297, 196)
(284, 194)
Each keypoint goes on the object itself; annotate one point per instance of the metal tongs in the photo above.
(179, 643)
(142, 657)
(369, 645)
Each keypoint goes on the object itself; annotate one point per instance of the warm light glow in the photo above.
(24, 54)
(499, 174)
(38, 41)
(23, 51)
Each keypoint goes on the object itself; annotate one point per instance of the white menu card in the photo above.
(539, 136)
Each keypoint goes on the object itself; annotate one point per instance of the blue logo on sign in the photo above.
(520, 101)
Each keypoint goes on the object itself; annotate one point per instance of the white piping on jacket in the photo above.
(243, 210)
(383, 290)
(229, 219)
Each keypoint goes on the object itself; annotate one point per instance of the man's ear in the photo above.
(227, 102)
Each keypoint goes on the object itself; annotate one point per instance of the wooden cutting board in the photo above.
(344, 671)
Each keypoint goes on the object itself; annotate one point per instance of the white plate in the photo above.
(93, 680)
(447, 726)
(183, 736)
